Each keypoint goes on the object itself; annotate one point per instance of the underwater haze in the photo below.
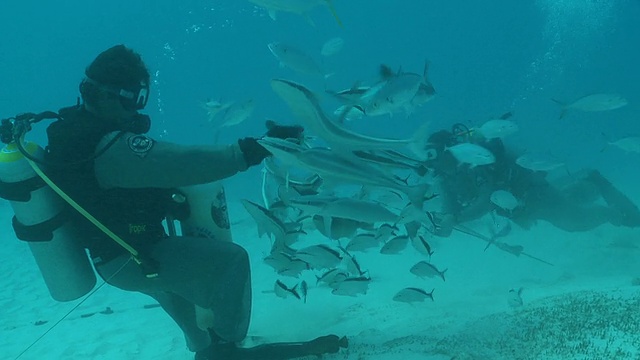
(485, 59)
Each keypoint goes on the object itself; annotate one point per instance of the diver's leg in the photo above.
(575, 217)
(212, 274)
(124, 273)
(184, 314)
(629, 215)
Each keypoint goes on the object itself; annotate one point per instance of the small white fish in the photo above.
(629, 144)
(352, 265)
(497, 128)
(385, 231)
(332, 276)
(424, 269)
(332, 46)
(351, 286)
(237, 113)
(295, 59)
(363, 242)
(392, 95)
(504, 200)
(514, 299)
(299, 7)
(593, 103)
(319, 256)
(299, 291)
(214, 107)
(411, 295)
(421, 245)
(395, 245)
(537, 163)
(472, 154)
(348, 113)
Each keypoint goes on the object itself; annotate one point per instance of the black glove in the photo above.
(254, 153)
(284, 131)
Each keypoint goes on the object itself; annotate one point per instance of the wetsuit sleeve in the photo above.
(137, 161)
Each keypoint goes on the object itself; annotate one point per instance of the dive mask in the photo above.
(131, 100)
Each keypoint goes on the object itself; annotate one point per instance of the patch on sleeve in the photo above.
(140, 144)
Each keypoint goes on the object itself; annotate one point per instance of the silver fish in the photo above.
(337, 228)
(214, 107)
(497, 128)
(298, 7)
(352, 265)
(421, 245)
(266, 222)
(351, 286)
(425, 269)
(411, 295)
(237, 113)
(332, 276)
(472, 154)
(504, 200)
(594, 102)
(363, 242)
(295, 59)
(348, 113)
(395, 245)
(395, 94)
(299, 291)
(629, 144)
(332, 46)
(385, 231)
(319, 256)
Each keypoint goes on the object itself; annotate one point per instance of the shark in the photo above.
(306, 107)
(330, 164)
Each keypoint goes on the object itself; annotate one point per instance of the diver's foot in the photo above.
(218, 351)
(329, 344)
(626, 212)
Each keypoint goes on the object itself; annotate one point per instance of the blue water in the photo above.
(486, 58)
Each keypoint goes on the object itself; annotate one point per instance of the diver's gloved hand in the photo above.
(254, 153)
(284, 131)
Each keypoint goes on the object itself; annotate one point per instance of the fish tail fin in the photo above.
(563, 105)
(425, 71)
(334, 12)
(419, 141)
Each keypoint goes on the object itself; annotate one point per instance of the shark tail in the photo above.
(419, 141)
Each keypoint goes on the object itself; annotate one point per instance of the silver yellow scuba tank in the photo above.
(208, 215)
(40, 220)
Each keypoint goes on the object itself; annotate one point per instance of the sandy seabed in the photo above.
(586, 306)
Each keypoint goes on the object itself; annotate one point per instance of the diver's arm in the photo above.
(136, 161)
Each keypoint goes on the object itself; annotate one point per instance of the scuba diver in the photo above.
(127, 183)
(467, 189)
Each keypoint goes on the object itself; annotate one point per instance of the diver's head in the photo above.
(116, 83)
